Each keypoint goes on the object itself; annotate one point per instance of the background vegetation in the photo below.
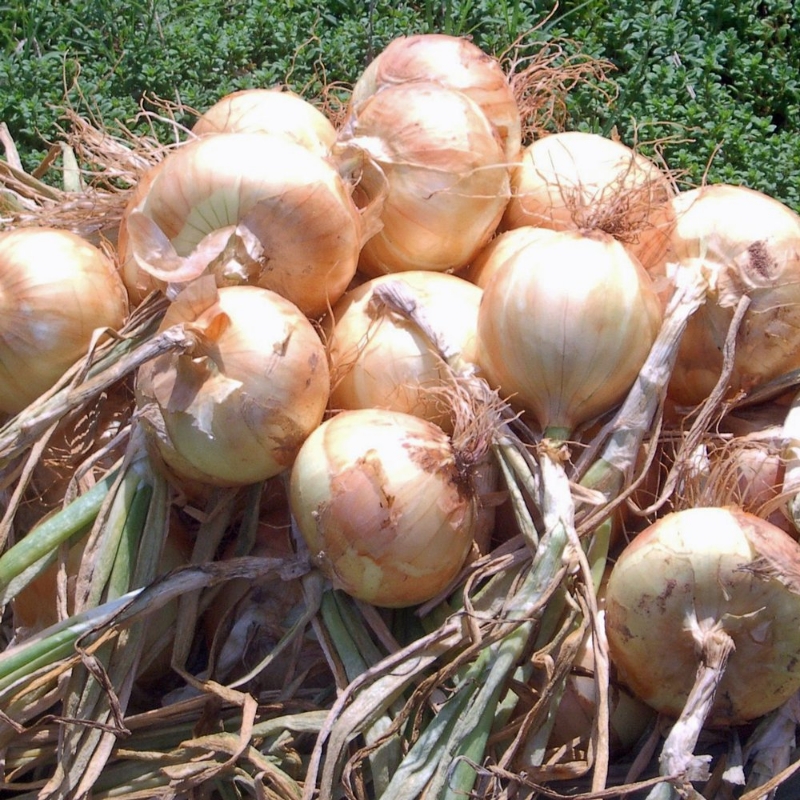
(715, 82)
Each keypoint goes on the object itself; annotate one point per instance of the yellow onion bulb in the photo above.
(380, 360)
(381, 502)
(691, 570)
(577, 180)
(454, 62)
(56, 290)
(431, 159)
(564, 328)
(249, 208)
(235, 408)
(745, 243)
(501, 248)
(277, 111)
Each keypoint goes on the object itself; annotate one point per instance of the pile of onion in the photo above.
(249, 208)
(274, 111)
(56, 291)
(565, 325)
(435, 164)
(747, 245)
(384, 505)
(236, 407)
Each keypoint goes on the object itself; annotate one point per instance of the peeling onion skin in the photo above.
(565, 325)
(56, 289)
(455, 62)
(236, 409)
(433, 160)
(379, 501)
(748, 243)
(722, 565)
(306, 232)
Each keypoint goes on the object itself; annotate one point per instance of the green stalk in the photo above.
(55, 530)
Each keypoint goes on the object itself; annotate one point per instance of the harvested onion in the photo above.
(565, 326)
(269, 111)
(454, 62)
(574, 180)
(387, 513)
(688, 574)
(234, 409)
(380, 360)
(433, 160)
(747, 244)
(249, 208)
(56, 291)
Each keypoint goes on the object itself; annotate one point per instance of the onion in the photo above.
(689, 574)
(56, 291)
(565, 326)
(380, 360)
(431, 157)
(576, 180)
(747, 244)
(250, 208)
(234, 409)
(387, 513)
(269, 111)
(454, 62)
(501, 248)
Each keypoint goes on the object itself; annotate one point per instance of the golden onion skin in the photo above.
(745, 243)
(305, 233)
(434, 164)
(452, 61)
(381, 504)
(711, 565)
(56, 290)
(273, 111)
(235, 409)
(379, 360)
(565, 325)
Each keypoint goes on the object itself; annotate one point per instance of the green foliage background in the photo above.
(715, 82)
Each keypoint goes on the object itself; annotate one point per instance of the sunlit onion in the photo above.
(454, 62)
(269, 111)
(380, 360)
(56, 290)
(249, 208)
(430, 156)
(747, 244)
(694, 571)
(236, 407)
(564, 327)
(573, 180)
(385, 510)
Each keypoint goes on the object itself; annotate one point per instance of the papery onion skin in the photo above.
(274, 111)
(56, 290)
(574, 180)
(716, 564)
(379, 360)
(433, 160)
(452, 61)
(382, 506)
(565, 328)
(236, 409)
(746, 243)
(307, 230)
